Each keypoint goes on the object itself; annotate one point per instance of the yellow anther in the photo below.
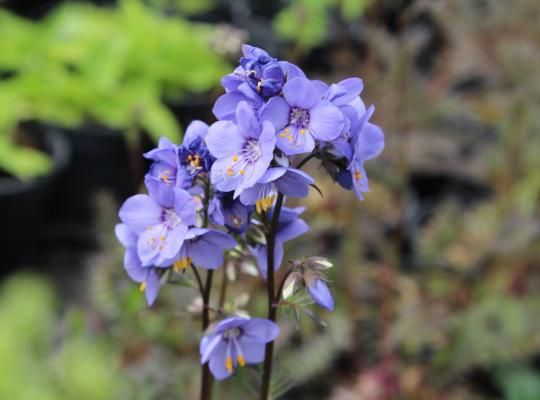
(162, 238)
(357, 175)
(241, 360)
(302, 131)
(235, 158)
(289, 138)
(287, 130)
(282, 134)
(149, 227)
(189, 157)
(177, 266)
(241, 172)
(142, 286)
(259, 85)
(229, 364)
(258, 206)
(230, 172)
(160, 247)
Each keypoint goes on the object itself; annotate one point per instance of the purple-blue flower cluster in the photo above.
(218, 190)
(266, 97)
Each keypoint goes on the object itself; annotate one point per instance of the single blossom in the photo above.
(226, 211)
(235, 342)
(193, 156)
(148, 277)
(160, 222)
(302, 116)
(289, 181)
(319, 291)
(289, 227)
(369, 144)
(243, 150)
(162, 175)
(202, 247)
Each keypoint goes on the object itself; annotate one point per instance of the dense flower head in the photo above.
(308, 116)
(228, 176)
(234, 342)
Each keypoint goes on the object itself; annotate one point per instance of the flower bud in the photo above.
(318, 263)
(291, 285)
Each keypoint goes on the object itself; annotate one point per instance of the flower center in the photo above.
(299, 117)
(251, 151)
(171, 218)
(232, 333)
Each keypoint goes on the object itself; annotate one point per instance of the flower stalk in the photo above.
(272, 309)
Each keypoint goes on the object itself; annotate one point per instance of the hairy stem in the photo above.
(270, 244)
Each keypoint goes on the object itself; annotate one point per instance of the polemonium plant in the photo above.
(221, 193)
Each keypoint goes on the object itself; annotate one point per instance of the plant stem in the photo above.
(305, 160)
(223, 288)
(206, 379)
(270, 244)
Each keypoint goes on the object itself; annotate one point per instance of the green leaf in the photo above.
(23, 162)
(159, 121)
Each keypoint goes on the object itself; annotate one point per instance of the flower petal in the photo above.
(208, 347)
(277, 111)
(301, 92)
(260, 330)
(296, 141)
(140, 211)
(370, 142)
(326, 121)
(224, 139)
(217, 362)
(247, 121)
(152, 285)
(321, 294)
(294, 183)
(126, 236)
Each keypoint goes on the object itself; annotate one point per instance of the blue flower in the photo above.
(202, 247)
(319, 291)
(243, 150)
(226, 211)
(148, 277)
(161, 223)
(194, 158)
(235, 342)
(302, 116)
(289, 181)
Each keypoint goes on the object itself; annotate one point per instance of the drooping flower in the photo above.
(289, 227)
(302, 116)
(319, 291)
(194, 158)
(162, 175)
(289, 181)
(369, 144)
(235, 342)
(226, 211)
(202, 247)
(148, 277)
(161, 224)
(243, 150)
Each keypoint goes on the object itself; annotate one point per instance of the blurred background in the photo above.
(437, 277)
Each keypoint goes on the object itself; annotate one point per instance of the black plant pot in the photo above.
(23, 204)
(100, 163)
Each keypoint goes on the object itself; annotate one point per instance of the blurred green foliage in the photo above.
(40, 358)
(112, 66)
(306, 23)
